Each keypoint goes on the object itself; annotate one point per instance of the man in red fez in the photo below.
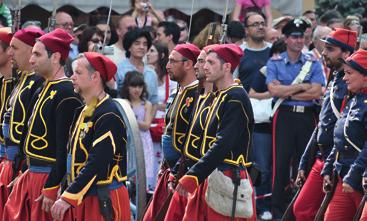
(22, 88)
(45, 140)
(226, 142)
(178, 203)
(339, 45)
(180, 68)
(348, 155)
(97, 157)
(6, 83)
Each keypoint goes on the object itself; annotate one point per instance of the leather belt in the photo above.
(296, 108)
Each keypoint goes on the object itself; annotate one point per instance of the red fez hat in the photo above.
(5, 35)
(189, 51)
(230, 53)
(207, 48)
(358, 61)
(58, 41)
(106, 68)
(29, 35)
(342, 38)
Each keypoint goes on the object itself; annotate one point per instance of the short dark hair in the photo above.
(171, 28)
(236, 30)
(329, 15)
(251, 14)
(310, 11)
(62, 62)
(133, 35)
(86, 36)
(4, 21)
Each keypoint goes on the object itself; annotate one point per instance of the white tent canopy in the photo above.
(291, 7)
(121, 6)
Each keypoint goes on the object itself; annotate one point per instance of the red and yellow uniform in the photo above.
(226, 144)
(44, 145)
(192, 152)
(97, 157)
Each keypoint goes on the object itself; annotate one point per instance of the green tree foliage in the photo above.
(345, 7)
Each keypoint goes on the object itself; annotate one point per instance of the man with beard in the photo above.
(16, 106)
(256, 49)
(339, 45)
(180, 68)
(294, 80)
(46, 133)
(176, 209)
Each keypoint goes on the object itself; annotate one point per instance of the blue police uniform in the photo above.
(293, 123)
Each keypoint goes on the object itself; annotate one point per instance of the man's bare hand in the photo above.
(59, 208)
(46, 202)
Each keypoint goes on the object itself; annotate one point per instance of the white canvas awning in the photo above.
(291, 7)
(121, 6)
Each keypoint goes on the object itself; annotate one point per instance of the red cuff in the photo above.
(51, 192)
(189, 183)
(171, 178)
(73, 203)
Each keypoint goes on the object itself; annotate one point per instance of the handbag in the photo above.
(219, 195)
(157, 126)
(261, 109)
(156, 129)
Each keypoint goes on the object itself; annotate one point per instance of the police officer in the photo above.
(339, 44)
(348, 156)
(294, 79)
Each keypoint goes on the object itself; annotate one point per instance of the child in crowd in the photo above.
(134, 89)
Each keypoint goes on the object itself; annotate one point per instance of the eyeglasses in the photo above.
(172, 61)
(257, 24)
(96, 40)
(66, 25)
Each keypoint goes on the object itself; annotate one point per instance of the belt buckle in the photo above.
(299, 109)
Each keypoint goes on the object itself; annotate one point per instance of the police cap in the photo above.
(295, 27)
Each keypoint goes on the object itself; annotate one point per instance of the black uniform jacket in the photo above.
(227, 136)
(96, 151)
(46, 134)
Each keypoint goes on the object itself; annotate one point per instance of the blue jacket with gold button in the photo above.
(227, 136)
(46, 134)
(330, 112)
(96, 151)
(350, 136)
(19, 103)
